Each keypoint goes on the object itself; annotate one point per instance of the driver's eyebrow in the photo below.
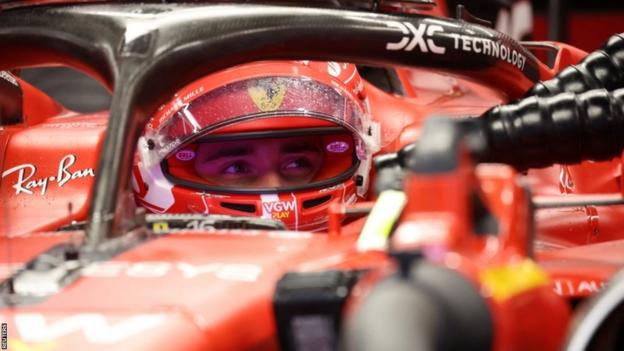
(296, 147)
(233, 151)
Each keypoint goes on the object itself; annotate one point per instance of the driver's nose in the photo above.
(271, 180)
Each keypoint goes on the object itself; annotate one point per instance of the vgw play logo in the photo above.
(279, 209)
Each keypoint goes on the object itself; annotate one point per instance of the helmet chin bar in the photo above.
(303, 208)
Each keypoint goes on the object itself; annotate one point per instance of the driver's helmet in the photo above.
(279, 140)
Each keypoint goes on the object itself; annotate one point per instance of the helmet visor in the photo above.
(252, 99)
(257, 162)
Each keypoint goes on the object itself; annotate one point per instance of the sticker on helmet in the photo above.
(337, 147)
(279, 209)
(333, 68)
(267, 97)
(185, 155)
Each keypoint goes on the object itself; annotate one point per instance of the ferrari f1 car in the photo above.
(474, 240)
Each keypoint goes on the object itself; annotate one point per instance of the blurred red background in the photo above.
(589, 24)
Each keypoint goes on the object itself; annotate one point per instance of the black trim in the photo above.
(269, 134)
(249, 208)
(315, 202)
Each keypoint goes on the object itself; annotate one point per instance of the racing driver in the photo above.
(274, 139)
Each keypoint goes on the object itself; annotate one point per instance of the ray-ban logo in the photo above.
(26, 181)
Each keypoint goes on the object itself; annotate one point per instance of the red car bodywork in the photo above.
(211, 289)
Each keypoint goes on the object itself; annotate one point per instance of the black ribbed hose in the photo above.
(574, 118)
(603, 68)
(566, 128)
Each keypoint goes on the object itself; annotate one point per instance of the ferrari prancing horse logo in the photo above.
(267, 97)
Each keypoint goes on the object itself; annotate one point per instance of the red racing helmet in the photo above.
(278, 140)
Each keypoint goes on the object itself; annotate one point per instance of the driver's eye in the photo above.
(296, 167)
(238, 168)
